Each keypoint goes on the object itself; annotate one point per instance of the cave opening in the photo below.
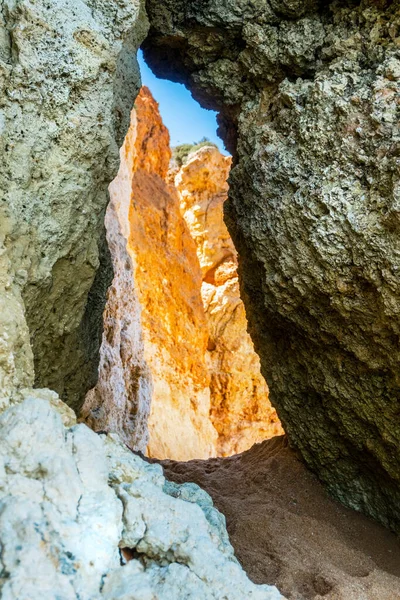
(179, 377)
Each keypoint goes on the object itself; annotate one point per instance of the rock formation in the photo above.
(308, 93)
(168, 281)
(164, 271)
(174, 312)
(120, 402)
(240, 409)
(68, 76)
(82, 517)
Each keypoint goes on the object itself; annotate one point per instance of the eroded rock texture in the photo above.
(120, 402)
(240, 409)
(164, 346)
(175, 340)
(75, 506)
(168, 281)
(68, 76)
(310, 91)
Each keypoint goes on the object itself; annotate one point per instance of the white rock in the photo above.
(70, 499)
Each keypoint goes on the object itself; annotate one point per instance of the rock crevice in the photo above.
(174, 313)
(310, 91)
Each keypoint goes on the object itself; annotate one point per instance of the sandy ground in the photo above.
(286, 531)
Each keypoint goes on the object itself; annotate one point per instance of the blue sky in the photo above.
(186, 120)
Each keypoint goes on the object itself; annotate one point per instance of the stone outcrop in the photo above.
(175, 339)
(120, 401)
(68, 74)
(308, 93)
(167, 340)
(240, 409)
(82, 517)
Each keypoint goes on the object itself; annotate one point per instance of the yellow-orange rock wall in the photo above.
(168, 279)
(178, 374)
(240, 408)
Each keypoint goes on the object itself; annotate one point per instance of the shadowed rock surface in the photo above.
(310, 93)
(68, 75)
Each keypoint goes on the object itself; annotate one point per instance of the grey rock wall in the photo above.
(308, 95)
(68, 77)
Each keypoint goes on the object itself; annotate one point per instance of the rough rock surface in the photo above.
(68, 74)
(310, 92)
(167, 334)
(287, 531)
(121, 400)
(168, 281)
(240, 409)
(175, 333)
(82, 517)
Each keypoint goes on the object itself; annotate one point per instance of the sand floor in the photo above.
(286, 531)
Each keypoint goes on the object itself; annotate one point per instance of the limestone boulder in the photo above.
(81, 516)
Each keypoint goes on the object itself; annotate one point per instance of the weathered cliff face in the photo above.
(168, 281)
(120, 401)
(163, 347)
(310, 90)
(68, 76)
(175, 339)
(240, 409)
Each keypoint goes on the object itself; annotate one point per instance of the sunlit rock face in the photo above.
(68, 74)
(168, 282)
(178, 370)
(240, 409)
(308, 93)
(155, 330)
(121, 399)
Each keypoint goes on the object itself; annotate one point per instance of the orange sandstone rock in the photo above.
(178, 371)
(240, 409)
(120, 402)
(168, 279)
(154, 254)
